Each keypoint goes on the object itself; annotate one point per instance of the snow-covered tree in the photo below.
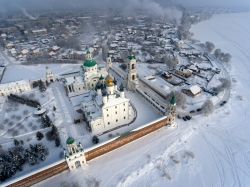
(39, 136)
(209, 46)
(207, 107)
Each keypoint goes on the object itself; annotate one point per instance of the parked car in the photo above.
(192, 111)
(223, 103)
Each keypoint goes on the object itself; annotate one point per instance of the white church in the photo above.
(86, 78)
(107, 108)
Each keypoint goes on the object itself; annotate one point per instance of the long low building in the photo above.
(156, 91)
(14, 87)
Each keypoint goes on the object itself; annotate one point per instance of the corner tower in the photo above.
(109, 63)
(74, 155)
(172, 111)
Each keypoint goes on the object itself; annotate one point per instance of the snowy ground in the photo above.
(207, 151)
(35, 72)
(17, 119)
(18, 122)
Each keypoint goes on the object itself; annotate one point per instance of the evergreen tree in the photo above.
(39, 136)
(57, 142)
(16, 142)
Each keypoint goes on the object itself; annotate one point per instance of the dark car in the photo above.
(223, 103)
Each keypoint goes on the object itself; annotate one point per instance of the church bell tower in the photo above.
(132, 73)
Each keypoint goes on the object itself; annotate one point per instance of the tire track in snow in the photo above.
(231, 160)
(218, 164)
(146, 168)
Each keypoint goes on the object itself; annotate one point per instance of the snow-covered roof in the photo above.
(36, 50)
(91, 107)
(195, 89)
(10, 45)
(73, 79)
(52, 53)
(25, 51)
(55, 48)
(39, 30)
(13, 84)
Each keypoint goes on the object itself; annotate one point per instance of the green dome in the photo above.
(70, 140)
(131, 57)
(89, 63)
(101, 78)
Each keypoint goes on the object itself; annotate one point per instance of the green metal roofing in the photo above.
(131, 57)
(101, 77)
(70, 140)
(173, 100)
(89, 63)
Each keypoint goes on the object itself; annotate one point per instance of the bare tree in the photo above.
(71, 42)
(207, 107)
(226, 57)
(217, 53)
(209, 46)
(225, 84)
(180, 98)
(171, 62)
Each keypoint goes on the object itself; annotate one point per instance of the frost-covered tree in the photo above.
(95, 140)
(39, 136)
(57, 141)
(224, 84)
(46, 121)
(54, 135)
(209, 46)
(171, 62)
(207, 107)
(13, 160)
(16, 142)
(180, 98)
(217, 53)
(226, 57)
(69, 43)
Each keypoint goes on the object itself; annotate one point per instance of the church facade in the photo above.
(107, 108)
(86, 78)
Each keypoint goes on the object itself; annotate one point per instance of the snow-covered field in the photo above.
(207, 151)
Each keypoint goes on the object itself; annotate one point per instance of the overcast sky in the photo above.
(8, 5)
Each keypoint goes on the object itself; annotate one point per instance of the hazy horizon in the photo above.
(7, 6)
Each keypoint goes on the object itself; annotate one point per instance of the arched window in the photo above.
(133, 66)
(133, 77)
(77, 164)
